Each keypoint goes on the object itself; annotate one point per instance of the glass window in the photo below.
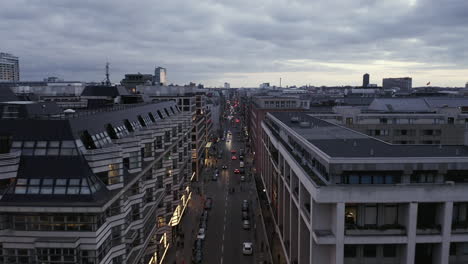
(52, 152)
(73, 190)
(39, 152)
(349, 251)
(33, 190)
(46, 190)
(370, 215)
(34, 181)
(378, 179)
(54, 144)
(17, 144)
(369, 251)
(61, 182)
(366, 179)
(29, 144)
(389, 251)
(20, 189)
(41, 144)
(74, 182)
(353, 179)
(47, 182)
(22, 181)
(85, 190)
(59, 190)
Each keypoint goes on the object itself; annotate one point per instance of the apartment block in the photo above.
(340, 196)
(100, 186)
(9, 67)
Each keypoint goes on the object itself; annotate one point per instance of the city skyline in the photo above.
(244, 44)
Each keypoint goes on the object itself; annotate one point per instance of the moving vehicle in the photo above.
(224, 167)
(201, 233)
(236, 171)
(233, 151)
(208, 203)
(246, 224)
(242, 178)
(245, 205)
(234, 158)
(247, 248)
(241, 164)
(245, 216)
(215, 177)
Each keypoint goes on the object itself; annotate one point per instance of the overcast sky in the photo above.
(243, 42)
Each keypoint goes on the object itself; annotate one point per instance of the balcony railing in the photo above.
(369, 230)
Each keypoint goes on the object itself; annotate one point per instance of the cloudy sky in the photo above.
(244, 42)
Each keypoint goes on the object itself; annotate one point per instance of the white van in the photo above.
(241, 164)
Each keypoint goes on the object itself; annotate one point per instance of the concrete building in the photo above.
(192, 101)
(339, 196)
(160, 76)
(227, 85)
(131, 81)
(259, 106)
(9, 67)
(404, 83)
(432, 120)
(94, 187)
(365, 80)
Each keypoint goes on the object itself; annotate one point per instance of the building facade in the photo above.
(339, 196)
(160, 76)
(94, 187)
(404, 83)
(365, 80)
(9, 67)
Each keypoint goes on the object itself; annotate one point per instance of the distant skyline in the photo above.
(243, 42)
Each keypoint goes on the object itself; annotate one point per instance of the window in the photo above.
(369, 251)
(370, 215)
(389, 251)
(390, 214)
(349, 251)
(134, 160)
(350, 215)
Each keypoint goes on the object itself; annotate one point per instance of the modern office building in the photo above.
(259, 107)
(105, 186)
(160, 76)
(404, 83)
(339, 196)
(365, 80)
(9, 67)
(227, 85)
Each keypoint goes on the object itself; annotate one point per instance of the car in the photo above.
(245, 205)
(241, 157)
(215, 177)
(208, 203)
(224, 167)
(245, 215)
(201, 233)
(247, 248)
(198, 257)
(242, 178)
(233, 151)
(198, 245)
(234, 158)
(246, 224)
(236, 171)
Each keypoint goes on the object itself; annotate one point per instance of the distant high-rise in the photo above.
(365, 80)
(160, 76)
(466, 85)
(227, 85)
(404, 83)
(9, 67)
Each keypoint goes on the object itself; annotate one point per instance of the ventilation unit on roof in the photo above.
(304, 124)
(294, 119)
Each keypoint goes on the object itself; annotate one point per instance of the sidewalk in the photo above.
(182, 254)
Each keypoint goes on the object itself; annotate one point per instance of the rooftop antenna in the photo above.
(108, 83)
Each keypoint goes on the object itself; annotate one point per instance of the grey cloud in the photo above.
(205, 40)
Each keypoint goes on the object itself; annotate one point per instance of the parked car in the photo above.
(247, 248)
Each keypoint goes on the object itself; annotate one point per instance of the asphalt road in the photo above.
(225, 235)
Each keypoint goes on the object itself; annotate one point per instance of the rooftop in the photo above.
(337, 141)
